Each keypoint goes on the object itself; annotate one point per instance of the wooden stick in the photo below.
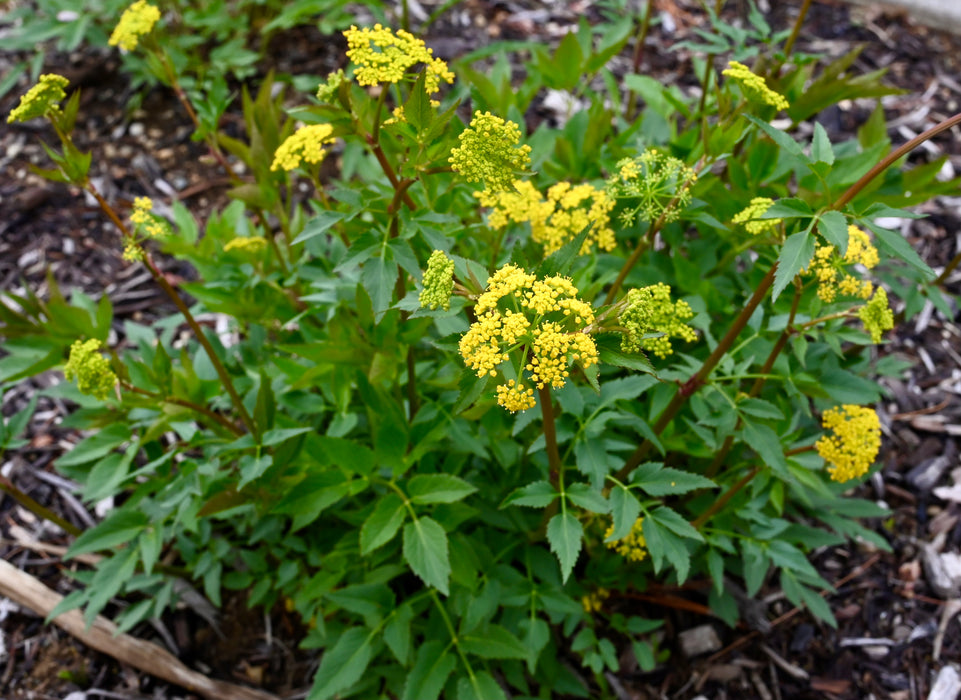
(27, 591)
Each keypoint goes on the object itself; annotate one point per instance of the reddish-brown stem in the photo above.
(203, 410)
(796, 31)
(893, 157)
(724, 498)
(695, 382)
(550, 435)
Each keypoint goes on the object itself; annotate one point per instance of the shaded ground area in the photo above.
(896, 630)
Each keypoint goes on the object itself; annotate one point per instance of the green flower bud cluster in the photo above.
(876, 315)
(328, 90)
(438, 282)
(650, 310)
(90, 369)
(489, 152)
(40, 100)
(652, 185)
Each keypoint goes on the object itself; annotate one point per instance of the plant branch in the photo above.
(37, 509)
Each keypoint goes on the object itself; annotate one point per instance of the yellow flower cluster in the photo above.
(535, 324)
(151, 227)
(633, 546)
(304, 145)
(650, 310)
(40, 100)
(750, 217)
(385, 57)
(554, 221)
(438, 282)
(753, 86)
(594, 601)
(246, 244)
(328, 89)
(827, 267)
(90, 369)
(489, 152)
(651, 185)
(135, 22)
(855, 444)
(876, 315)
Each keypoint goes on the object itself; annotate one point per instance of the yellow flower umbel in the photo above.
(651, 185)
(876, 315)
(828, 267)
(633, 546)
(749, 216)
(535, 326)
(650, 310)
(489, 152)
(438, 282)
(150, 225)
(329, 89)
(136, 21)
(852, 449)
(90, 369)
(594, 601)
(249, 245)
(567, 211)
(41, 100)
(306, 145)
(753, 86)
(382, 56)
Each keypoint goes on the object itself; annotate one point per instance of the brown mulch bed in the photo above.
(897, 629)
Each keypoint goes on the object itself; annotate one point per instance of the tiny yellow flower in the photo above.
(650, 186)
(246, 244)
(753, 86)
(136, 21)
(90, 369)
(306, 145)
(593, 602)
(750, 217)
(41, 100)
(151, 225)
(383, 56)
(633, 546)
(438, 282)
(829, 268)
(854, 446)
(554, 221)
(650, 310)
(537, 325)
(877, 316)
(489, 152)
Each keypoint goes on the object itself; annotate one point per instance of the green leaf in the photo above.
(763, 440)
(564, 534)
(425, 550)
(560, 261)
(120, 527)
(397, 633)
(788, 208)
(657, 480)
(481, 687)
(834, 227)
(96, 446)
(592, 459)
(894, 244)
(663, 544)
(588, 498)
(438, 488)
(787, 144)
(759, 408)
(795, 255)
(818, 606)
(252, 467)
(417, 109)
(625, 510)
(494, 643)
(821, 149)
(319, 225)
(537, 494)
(343, 665)
(382, 524)
(347, 454)
(675, 523)
(426, 679)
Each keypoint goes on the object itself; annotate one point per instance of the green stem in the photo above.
(789, 44)
(40, 511)
(177, 401)
(629, 112)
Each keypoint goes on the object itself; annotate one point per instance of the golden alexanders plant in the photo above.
(487, 384)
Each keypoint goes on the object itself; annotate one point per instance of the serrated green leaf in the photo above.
(821, 149)
(120, 527)
(397, 633)
(494, 643)
(795, 255)
(759, 408)
(592, 459)
(763, 440)
(438, 488)
(663, 544)
(342, 665)
(625, 510)
(788, 208)
(537, 494)
(787, 144)
(481, 687)
(588, 498)
(834, 227)
(564, 534)
(657, 480)
(383, 523)
(672, 520)
(426, 679)
(894, 244)
(425, 551)
(96, 446)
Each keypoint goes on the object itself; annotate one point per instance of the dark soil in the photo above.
(891, 618)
